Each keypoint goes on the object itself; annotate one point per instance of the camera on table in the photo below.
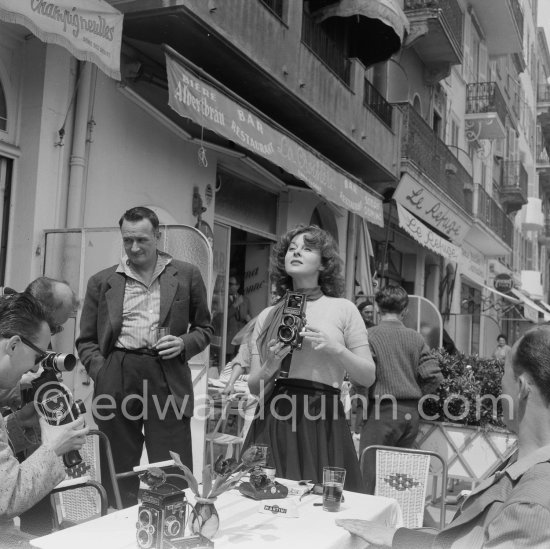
(54, 401)
(161, 516)
(293, 321)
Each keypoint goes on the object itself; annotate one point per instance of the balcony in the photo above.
(423, 150)
(502, 23)
(544, 235)
(513, 188)
(489, 213)
(436, 35)
(543, 170)
(485, 111)
(543, 111)
(307, 83)
(375, 102)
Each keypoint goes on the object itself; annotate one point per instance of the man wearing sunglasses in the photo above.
(24, 336)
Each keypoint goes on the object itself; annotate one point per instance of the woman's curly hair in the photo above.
(331, 279)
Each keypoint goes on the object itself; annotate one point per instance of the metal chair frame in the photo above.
(411, 451)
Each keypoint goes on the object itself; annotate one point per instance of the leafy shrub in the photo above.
(469, 393)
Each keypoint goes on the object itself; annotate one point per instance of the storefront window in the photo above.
(470, 304)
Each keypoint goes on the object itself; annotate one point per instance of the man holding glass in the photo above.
(142, 382)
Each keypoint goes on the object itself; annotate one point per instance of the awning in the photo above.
(500, 294)
(425, 236)
(375, 28)
(90, 29)
(194, 98)
(544, 305)
(535, 309)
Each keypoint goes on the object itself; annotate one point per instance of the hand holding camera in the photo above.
(63, 439)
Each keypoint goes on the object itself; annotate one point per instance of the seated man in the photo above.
(24, 333)
(511, 509)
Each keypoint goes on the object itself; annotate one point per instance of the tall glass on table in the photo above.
(333, 487)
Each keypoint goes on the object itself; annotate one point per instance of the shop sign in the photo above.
(193, 98)
(90, 29)
(503, 282)
(424, 204)
(472, 264)
(426, 236)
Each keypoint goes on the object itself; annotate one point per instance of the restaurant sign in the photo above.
(425, 236)
(207, 106)
(503, 282)
(424, 204)
(90, 29)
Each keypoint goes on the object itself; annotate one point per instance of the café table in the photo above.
(242, 525)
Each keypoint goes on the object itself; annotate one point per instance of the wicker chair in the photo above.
(242, 406)
(402, 474)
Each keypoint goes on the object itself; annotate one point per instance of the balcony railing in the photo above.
(330, 52)
(492, 215)
(543, 93)
(514, 176)
(421, 146)
(449, 9)
(485, 97)
(376, 102)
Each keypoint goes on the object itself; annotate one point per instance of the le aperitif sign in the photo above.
(193, 98)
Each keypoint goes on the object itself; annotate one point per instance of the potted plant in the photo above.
(463, 421)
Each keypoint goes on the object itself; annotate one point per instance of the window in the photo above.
(3, 110)
(276, 6)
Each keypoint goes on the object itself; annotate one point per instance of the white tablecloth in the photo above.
(241, 525)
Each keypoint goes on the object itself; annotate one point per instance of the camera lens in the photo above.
(144, 517)
(60, 362)
(144, 539)
(172, 526)
(286, 334)
(289, 320)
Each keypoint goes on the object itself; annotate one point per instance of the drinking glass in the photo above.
(333, 486)
(162, 331)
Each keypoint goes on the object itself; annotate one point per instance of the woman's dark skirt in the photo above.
(304, 424)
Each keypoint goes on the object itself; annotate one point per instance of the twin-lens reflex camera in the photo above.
(162, 520)
(292, 322)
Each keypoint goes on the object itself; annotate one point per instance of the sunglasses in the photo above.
(41, 353)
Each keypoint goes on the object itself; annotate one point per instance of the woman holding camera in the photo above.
(298, 378)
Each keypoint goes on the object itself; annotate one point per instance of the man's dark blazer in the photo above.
(183, 307)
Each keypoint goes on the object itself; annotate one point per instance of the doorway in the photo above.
(241, 287)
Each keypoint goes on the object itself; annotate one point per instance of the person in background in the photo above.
(502, 348)
(511, 509)
(238, 314)
(25, 334)
(302, 439)
(405, 370)
(358, 393)
(123, 307)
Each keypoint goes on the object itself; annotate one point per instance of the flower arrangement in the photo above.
(469, 392)
(224, 475)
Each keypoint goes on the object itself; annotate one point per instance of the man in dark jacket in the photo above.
(142, 385)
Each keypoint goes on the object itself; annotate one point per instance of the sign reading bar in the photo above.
(90, 29)
(426, 236)
(424, 204)
(192, 98)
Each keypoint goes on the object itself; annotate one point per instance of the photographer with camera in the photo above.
(305, 345)
(24, 334)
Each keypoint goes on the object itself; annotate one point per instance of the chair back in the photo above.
(402, 474)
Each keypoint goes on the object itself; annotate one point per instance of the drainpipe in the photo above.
(78, 160)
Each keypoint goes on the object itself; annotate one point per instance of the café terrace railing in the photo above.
(492, 215)
(421, 146)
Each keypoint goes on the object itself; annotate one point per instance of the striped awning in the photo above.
(375, 28)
